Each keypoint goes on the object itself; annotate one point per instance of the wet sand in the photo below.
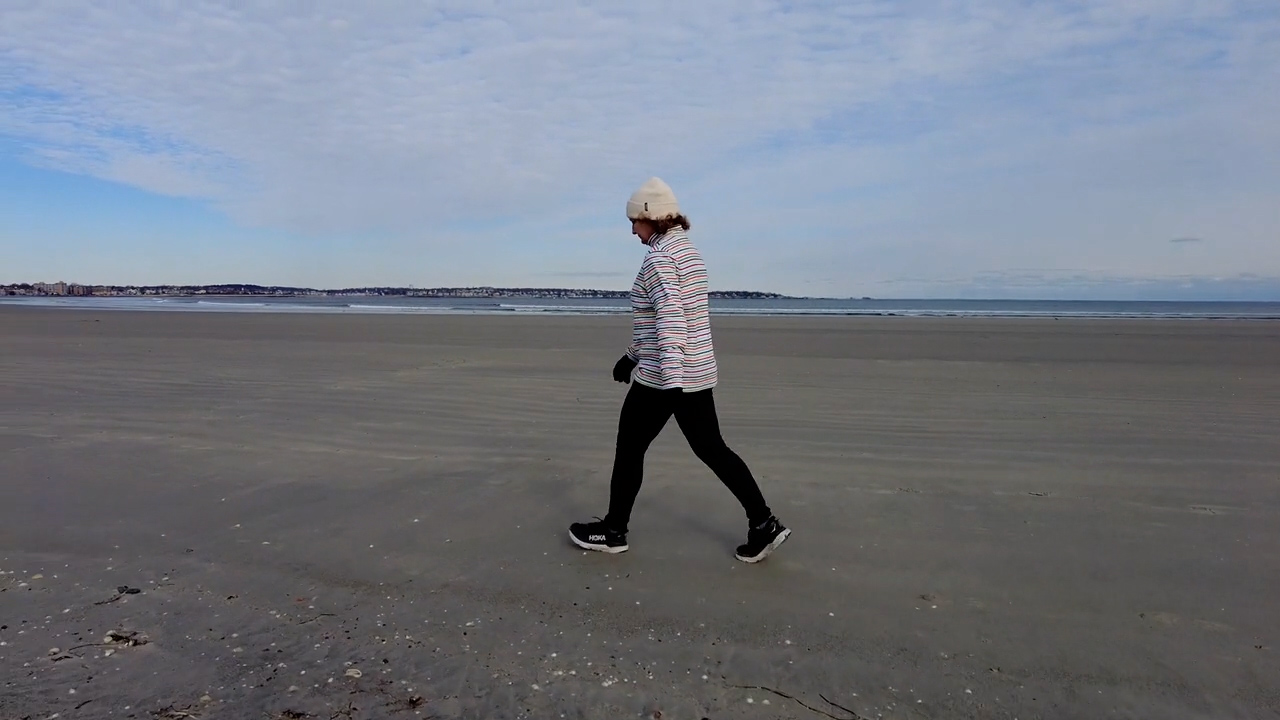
(993, 519)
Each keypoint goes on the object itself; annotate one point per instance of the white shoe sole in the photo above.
(598, 548)
(767, 548)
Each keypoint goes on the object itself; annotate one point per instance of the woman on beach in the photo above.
(674, 367)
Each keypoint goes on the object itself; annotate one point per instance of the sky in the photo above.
(1104, 149)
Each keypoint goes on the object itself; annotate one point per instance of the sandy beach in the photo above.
(327, 516)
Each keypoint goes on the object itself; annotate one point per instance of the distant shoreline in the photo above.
(618, 304)
(285, 291)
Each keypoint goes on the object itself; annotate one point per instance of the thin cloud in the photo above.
(400, 112)
(585, 274)
(1186, 240)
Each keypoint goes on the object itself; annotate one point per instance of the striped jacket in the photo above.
(671, 325)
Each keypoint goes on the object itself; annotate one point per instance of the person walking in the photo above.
(672, 360)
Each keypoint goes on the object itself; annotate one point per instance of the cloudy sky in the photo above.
(1082, 148)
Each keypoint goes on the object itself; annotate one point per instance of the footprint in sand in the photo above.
(931, 601)
(1167, 619)
(1160, 618)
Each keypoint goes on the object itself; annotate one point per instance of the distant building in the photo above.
(42, 288)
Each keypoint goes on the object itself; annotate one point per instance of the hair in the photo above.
(669, 222)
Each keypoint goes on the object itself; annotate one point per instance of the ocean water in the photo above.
(539, 306)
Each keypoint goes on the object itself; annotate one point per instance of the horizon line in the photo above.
(497, 288)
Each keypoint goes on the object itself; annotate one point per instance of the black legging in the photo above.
(644, 413)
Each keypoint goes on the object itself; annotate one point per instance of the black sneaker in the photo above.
(598, 536)
(762, 540)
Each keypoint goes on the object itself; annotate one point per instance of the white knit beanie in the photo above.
(653, 201)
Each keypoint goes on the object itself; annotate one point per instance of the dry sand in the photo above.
(993, 519)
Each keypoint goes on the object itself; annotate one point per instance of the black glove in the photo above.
(622, 371)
